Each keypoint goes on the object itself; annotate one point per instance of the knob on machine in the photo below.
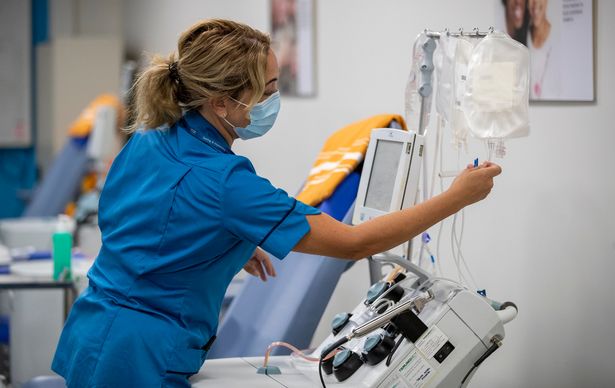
(345, 363)
(339, 321)
(377, 347)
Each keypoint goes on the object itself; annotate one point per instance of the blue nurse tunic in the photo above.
(180, 215)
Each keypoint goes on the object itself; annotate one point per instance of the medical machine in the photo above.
(392, 166)
(411, 330)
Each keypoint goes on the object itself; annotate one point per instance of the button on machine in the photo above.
(345, 363)
(339, 321)
(377, 347)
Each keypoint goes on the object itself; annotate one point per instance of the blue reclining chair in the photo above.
(288, 307)
(62, 182)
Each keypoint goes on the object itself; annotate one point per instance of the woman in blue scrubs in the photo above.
(181, 214)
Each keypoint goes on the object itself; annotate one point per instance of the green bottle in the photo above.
(62, 249)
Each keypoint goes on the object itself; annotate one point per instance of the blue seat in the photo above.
(61, 183)
(288, 307)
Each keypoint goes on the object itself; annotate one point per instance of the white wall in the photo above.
(545, 238)
(84, 39)
(85, 17)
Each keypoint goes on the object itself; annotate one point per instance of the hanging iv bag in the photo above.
(459, 124)
(419, 84)
(444, 59)
(496, 99)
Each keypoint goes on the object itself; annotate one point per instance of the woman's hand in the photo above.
(260, 265)
(474, 183)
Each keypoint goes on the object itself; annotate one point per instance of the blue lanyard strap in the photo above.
(200, 136)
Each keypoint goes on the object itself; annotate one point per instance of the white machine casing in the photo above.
(463, 318)
(404, 178)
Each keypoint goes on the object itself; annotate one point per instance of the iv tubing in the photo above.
(295, 351)
(463, 259)
(432, 184)
(377, 301)
(441, 224)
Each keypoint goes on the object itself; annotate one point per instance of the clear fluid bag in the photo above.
(496, 98)
(459, 124)
(444, 59)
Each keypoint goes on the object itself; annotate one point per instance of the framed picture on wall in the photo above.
(293, 39)
(559, 36)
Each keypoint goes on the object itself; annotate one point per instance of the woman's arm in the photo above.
(329, 237)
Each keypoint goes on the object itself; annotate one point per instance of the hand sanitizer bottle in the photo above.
(62, 248)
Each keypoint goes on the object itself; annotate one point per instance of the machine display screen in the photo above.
(382, 177)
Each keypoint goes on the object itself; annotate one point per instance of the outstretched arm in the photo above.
(329, 237)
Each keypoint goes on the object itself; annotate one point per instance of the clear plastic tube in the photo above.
(295, 350)
(428, 191)
(491, 149)
(458, 257)
(461, 256)
(377, 301)
(436, 155)
(441, 224)
(425, 198)
(377, 304)
(460, 276)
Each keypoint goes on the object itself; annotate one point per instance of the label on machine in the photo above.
(413, 372)
(431, 341)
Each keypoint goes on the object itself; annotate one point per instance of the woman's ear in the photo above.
(218, 106)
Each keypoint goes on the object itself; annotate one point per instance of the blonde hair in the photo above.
(215, 58)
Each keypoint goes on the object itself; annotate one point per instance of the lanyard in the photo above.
(200, 136)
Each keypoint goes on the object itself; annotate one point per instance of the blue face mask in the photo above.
(262, 117)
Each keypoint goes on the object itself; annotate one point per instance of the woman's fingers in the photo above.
(493, 169)
(260, 265)
(262, 257)
(261, 271)
(269, 266)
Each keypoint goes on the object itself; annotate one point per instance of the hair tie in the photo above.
(173, 72)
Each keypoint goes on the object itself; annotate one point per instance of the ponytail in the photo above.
(155, 95)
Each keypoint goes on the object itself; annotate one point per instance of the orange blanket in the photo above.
(340, 155)
(84, 124)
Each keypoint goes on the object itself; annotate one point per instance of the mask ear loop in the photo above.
(223, 117)
(226, 113)
(242, 104)
(233, 126)
(229, 123)
(239, 102)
